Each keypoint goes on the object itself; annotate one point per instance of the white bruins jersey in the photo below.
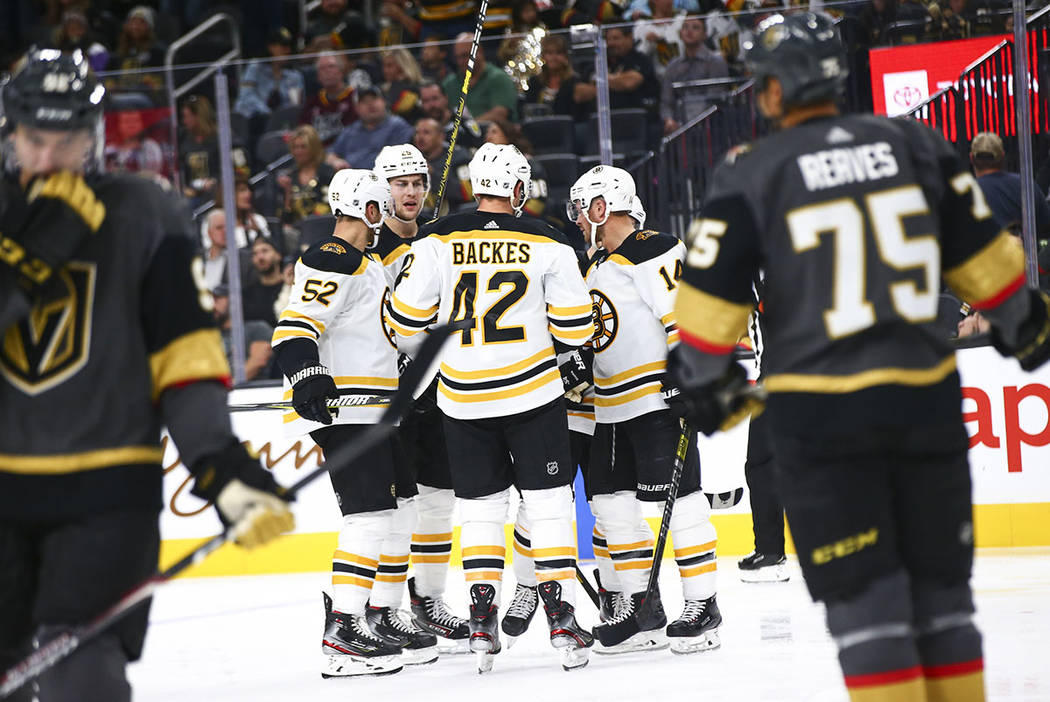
(633, 292)
(337, 304)
(516, 284)
(395, 253)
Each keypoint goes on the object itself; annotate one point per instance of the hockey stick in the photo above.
(458, 118)
(587, 587)
(341, 401)
(48, 654)
(665, 519)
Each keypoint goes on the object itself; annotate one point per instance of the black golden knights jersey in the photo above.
(854, 220)
(80, 377)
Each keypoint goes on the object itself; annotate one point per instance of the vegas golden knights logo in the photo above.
(51, 344)
(606, 322)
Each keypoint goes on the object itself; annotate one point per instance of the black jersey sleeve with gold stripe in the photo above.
(181, 336)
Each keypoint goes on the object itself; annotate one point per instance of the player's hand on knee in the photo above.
(312, 387)
(1032, 347)
(716, 405)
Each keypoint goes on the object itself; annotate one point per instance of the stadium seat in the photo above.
(283, 118)
(314, 230)
(271, 147)
(628, 131)
(550, 135)
(562, 172)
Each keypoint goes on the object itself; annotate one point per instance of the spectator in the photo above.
(501, 132)
(332, 13)
(433, 59)
(556, 82)
(257, 334)
(435, 105)
(215, 249)
(1002, 189)
(948, 19)
(332, 107)
(632, 80)
(199, 150)
(138, 48)
(525, 27)
(306, 187)
(361, 142)
(446, 19)
(134, 151)
(401, 79)
(697, 63)
(973, 324)
(250, 224)
(267, 285)
(590, 12)
(661, 35)
(641, 9)
(74, 33)
(428, 139)
(269, 84)
(403, 25)
(492, 94)
(497, 18)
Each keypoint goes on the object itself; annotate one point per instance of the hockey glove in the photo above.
(576, 374)
(674, 399)
(719, 404)
(62, 212)
(246, 496)
(1032, 348)
(312, 387)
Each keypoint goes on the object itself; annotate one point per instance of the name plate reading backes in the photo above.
(854, 164)
(473, 252)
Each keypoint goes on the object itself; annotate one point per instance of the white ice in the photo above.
(257, 639)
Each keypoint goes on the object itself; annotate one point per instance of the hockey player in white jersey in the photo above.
(632, 283)
(421, 433)
(515, 287)
(331, 341)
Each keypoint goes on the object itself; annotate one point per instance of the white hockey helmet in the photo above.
(638, 212)
(352, 189)
(614, 185)
(402, 160)
(497, 168)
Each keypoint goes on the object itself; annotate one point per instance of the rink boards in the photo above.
(1007, 413)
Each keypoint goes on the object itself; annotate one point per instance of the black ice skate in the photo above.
(484, 625)
(417, 646)
(763, 568)
(351, 649)
(567, 636)
(633, 628)
(432, 614)
(520, 612)
(609, 601)
(697, 629)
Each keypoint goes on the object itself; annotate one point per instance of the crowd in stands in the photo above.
(328, 95)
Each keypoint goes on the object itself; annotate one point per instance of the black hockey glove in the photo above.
(1033, 337)
(674, 399)
(245, 495)
(62, 211)
(427, 400)
(576, 373)
(312, 387)
(717, 405)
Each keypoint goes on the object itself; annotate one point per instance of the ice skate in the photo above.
(484, 629)
(417, 646)
(572, 640)
(351, 649)
(609, 601)
(519, 613)
(632, 630)
(432, 614)
(697, 629)
(763, 568)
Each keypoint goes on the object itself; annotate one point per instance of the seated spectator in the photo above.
(433, 59)
(134, 152)
(497, 20)
(331, 14)
(73, 33)
(642, 9)
(199, 150)
(401, 79)
(948, 19)
(332, 107)
(361, 142)
(257, 335)
(215, 248)
(659, 34)
(1002, 189)
(429, 140)
(250, 224)
(446, 19)
(556, 82)
(138, 48)
(632, 80)
(502, 132)
(403, 27)
(492, 94)
(306, 187)
(435, 105)
(590, 12)
(261, 292)
(269, 84)
(697, 63)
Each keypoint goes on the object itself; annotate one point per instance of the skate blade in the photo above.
(484, 661)
(510, 640)
(573, 658)
(453, 647)
(355, 666)
(770, 574)
(419, 656)
(708, 641)
(642, 641)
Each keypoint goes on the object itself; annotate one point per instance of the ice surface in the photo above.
(257, 639)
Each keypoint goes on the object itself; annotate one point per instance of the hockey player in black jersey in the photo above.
(107, 335)
(421, 433)
(856, 220)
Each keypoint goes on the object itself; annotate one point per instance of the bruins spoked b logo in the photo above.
(606, 323)
(388, 331)
(51, 344)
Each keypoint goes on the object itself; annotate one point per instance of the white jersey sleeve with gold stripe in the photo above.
(633, 291)
(516, 286)
(337, 303)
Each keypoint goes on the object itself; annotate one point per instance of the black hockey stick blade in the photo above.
(51, 652)
(725, 500)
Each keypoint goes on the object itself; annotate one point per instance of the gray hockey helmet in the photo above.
(803, 51)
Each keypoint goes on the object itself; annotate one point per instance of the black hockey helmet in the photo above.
(803, 51)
